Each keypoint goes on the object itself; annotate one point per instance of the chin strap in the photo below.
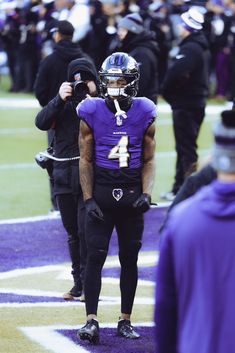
(120, 114)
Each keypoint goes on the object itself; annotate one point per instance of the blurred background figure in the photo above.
(77, 13)
(141, 44)
(10, 38)
(219, 16)
(47, 21)
(185, 88)
(28, 55)
(159, 22)
(195, 285)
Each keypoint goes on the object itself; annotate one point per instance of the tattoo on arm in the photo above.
(149, 164)
(86, 160)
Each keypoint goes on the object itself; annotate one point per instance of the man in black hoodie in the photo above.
(185, 88)
(60, 114)
(53, 71)
(142, 46)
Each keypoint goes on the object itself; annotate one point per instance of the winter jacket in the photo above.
(186, 81)
(62, 117)
(195, 281)
(53, 70)
(144, 49)
(191, 185)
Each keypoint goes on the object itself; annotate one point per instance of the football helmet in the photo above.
(119, 66)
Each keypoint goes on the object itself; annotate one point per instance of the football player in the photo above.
(117, 167)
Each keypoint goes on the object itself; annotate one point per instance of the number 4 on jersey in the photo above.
(120, 152)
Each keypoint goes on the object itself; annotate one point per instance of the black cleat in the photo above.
(126, 330)
(90, 332)
(74, 293)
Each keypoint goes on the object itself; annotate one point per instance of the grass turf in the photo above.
(25, 187)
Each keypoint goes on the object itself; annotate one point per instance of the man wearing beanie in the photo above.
(185, 88)
(142, 46)
(194, 309)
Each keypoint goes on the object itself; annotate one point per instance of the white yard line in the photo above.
(167, 154)
(51, 340)
(162, 107)
(104, 301)
(20, 130)
(47, 337)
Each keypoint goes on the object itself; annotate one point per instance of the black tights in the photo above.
(129, 229)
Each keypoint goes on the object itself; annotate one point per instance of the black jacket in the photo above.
(62, 117)
(144, 49)
(53, 70)
(191, 185)
(186, 81)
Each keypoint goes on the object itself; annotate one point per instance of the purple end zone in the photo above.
(111, 343)
(45, 242)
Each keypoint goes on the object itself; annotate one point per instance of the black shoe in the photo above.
(90, 332)
(126, 330)
(74, 293)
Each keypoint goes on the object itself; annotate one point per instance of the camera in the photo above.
(80, 89)
(45, 162)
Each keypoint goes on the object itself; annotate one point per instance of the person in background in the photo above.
(53, 71)
(117, 170)
(60, 115)
(185, 88)
(196, 270)
(142, 46)
(159, 22)
(77, 13)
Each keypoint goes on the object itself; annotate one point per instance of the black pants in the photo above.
(129, 226)
(72, 212)
(186, 124)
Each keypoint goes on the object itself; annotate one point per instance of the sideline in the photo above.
(56, 215)
(21, 103)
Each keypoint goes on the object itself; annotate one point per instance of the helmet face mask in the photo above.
(119, 76)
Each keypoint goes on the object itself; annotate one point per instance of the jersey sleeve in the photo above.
(150, 112)
(85, 110)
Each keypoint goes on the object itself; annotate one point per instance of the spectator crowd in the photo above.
(26, 36)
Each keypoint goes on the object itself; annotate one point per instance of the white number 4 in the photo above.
(120, 152)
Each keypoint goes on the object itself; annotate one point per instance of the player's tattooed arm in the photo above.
(149, 163)
(86, 160)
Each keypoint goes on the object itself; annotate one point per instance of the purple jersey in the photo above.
(118, 146)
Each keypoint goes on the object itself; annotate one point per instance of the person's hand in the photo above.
(65, 90)
(93, 210)
(143, 202)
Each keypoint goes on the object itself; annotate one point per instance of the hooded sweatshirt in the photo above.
(53, 70)
(62, 117)
(144, 49)
(186, 81)
(196, 274)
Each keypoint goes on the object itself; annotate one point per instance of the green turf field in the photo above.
(24, 186)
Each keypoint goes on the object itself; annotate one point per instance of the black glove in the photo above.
(93, 210)
(143, 202)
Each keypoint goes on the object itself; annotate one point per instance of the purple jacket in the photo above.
(195, 305)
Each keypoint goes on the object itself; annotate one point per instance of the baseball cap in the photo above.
(63, 27)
